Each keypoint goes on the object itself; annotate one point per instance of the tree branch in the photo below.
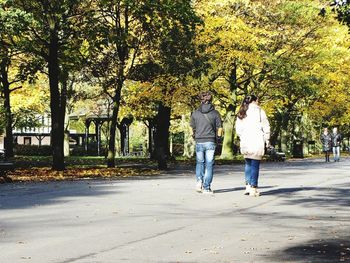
(16, 88)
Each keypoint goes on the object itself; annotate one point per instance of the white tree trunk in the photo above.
(189, 143)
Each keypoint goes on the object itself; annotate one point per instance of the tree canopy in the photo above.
(150, 59)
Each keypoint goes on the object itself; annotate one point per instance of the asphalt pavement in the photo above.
(303, 215)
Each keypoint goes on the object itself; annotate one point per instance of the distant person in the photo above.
(336, 141)
(206, 126)
(253, 129)
(326, 140)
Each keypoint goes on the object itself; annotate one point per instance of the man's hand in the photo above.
(219, 139)
(220, 132)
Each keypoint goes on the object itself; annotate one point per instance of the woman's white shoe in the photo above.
(247, 189)
(254, 191)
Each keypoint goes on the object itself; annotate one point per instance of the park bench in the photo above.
(136, 153)
(278, 157)
(275, 156)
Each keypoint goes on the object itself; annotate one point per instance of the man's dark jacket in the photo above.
(204, 130)
(336, 139)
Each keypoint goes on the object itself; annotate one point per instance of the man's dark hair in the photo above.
(205, 97)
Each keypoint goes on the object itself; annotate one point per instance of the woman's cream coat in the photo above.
(253, 131)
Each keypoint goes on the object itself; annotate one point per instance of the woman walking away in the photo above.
(326, 140)
(253, 128)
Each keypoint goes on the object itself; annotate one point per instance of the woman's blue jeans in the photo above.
(251, 172)
(204, 163)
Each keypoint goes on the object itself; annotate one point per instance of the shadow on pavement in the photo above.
(226, 190)
(283, 191)
(322, 250)
(338, 195)
(37, 194)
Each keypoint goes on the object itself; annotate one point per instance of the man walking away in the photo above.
(207, 126)
(336, 141)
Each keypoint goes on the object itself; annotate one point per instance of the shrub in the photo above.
(78, 150)
(32, 150)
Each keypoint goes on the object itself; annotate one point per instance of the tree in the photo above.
(303, 73)
(232, 45)
(13, 23)
(55, 39)
(268, 48)
(130, 33)
(28, 104)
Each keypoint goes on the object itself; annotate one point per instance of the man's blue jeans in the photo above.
(251, 172)
(205, 161)
(336, 153)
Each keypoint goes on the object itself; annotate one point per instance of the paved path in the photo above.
(302, 216)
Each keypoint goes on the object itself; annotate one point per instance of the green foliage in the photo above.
(342, 8)
(143, 53)
(178, 138)
(33, 150)
(13, 26)
(138, 136)
(13, 21)
(286, 52)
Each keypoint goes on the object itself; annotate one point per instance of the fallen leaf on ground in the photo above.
(39, 174)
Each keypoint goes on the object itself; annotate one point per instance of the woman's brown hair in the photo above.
(242, 113)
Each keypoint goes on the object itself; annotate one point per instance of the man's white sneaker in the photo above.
(199, 186)
(207, 191)
(247, 189)
(254, 192)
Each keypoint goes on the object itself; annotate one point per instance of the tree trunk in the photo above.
(275, 138)
(144, 142)
(189, 143)
(66, 150)
(161, 141)
(8, 140)
(113, 127)
(229, 122)
(151, 138)
(57, 106)
(227, 144)
(123, 127)
(112, 131)
(123, 139)
(66, 147)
